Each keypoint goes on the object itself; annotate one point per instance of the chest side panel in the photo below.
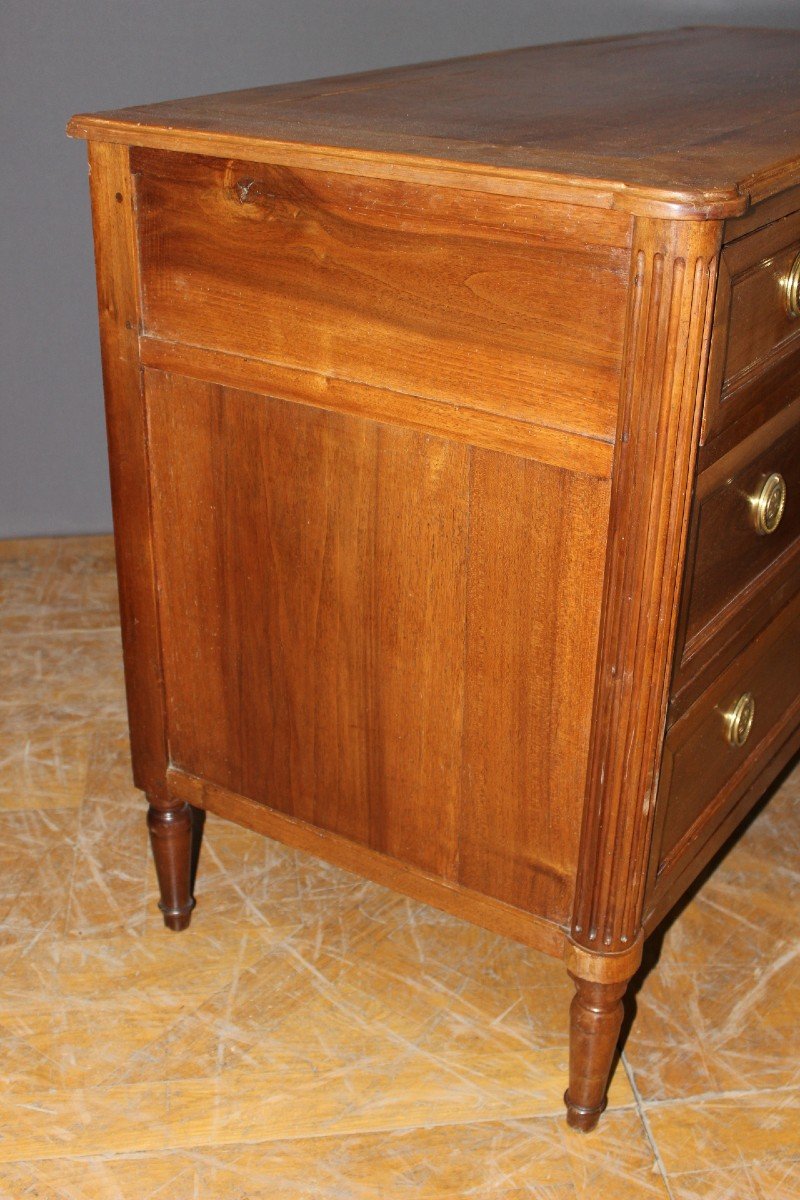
(465, 299)
(388, 634)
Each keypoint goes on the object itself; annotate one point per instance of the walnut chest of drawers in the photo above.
(454, 427)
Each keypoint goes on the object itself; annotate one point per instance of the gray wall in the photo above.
(58, 58)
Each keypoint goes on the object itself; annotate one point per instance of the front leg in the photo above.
(170, 825)
(595, 1021)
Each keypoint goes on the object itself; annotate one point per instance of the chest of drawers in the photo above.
(454, 429)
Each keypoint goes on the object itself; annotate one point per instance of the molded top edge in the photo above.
(695, 122)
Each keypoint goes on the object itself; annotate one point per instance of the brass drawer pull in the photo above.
(769, 503)
(792, 286)
(739, 720)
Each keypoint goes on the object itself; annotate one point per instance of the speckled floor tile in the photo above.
(43, 758)
(37, 854)
(57, 584)
(353, 1012)
(315, 1035)
(85, 1013)
(493, 1160)
(108, 892)
(744, 1147)
(75, 675)
(720, 1010)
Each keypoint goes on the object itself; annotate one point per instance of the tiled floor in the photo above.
(314, 1035)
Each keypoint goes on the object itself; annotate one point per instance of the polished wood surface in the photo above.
(730, 562)
(461, 423)
(774, 387)
(755, 359)
(391, 285)
(536, 539)
(115, 238)
(415, 457)
(351, 598)
(595, 1018)
(702, 771)
(760, 322)
(170, 830)
(736, 580)
(681, 117)
(669, 328)
(761, 214)
(697, 854)
(444, 894)
(671, 292)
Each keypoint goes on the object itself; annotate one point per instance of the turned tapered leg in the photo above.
(595, 1021)
(170, 826)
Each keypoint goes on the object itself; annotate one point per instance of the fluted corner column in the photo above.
(668, 329)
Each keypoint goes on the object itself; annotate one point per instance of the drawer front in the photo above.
(756, 322)
(764, 308)
(745, 524)
(717, 747)
(458, 297)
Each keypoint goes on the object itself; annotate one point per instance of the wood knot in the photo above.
(243, 187)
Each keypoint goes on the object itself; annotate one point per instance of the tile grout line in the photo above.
(178, 1146)
(464, 1120)
(729, 1094)
(648, 1133)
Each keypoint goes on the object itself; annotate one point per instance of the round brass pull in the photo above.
(792, 286)
(769, 503)
(739, 720)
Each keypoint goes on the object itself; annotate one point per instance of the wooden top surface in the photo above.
(705, 119)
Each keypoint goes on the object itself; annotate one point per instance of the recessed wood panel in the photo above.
(703, 774)
(312, 582)
(755, 349)
(448, 295)
(760, 319)
(383, 633)
(537, 542)
(728, 556)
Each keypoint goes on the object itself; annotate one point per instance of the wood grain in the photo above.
(680, 118)
(669, 327)
(762, 214)
(316, 602)
(755, 349)
(118, 305)
(699, 852)
(340, 586)
(595, 1019)
(728, 555)
(733, 629)
(456, 422)
(528, 928)
(535, 585)
(405, 375)
(400, 287)
(759, 320)
(748, 407)
(702, 773)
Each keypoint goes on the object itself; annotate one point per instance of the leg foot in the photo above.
(170, 828)
(595, 1021)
